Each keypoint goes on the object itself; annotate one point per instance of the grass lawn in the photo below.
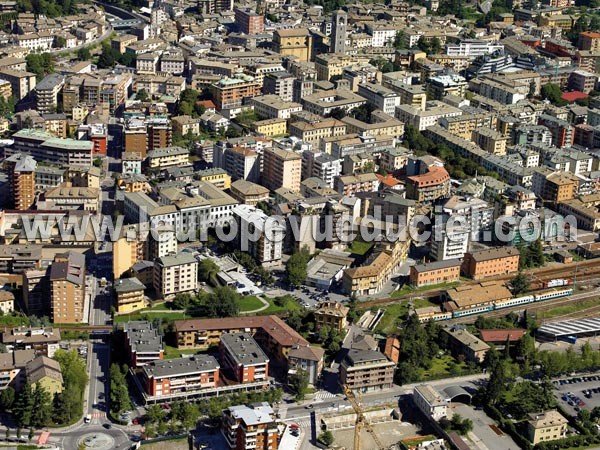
(359, 247)
(440, 367)
(172, 352)
(567, 309)
(147, 314)
(290, 305)
(250, 303)
(393, 314)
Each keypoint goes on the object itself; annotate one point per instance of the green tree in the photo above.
(7, 398)
(128, 59)
(83, 54)
(119, 392)
(23, 406)
(40, 64)
(41, 415)
(326, 438)
(223, 302)
(295, 267)
(552, 92)
(142, 95)
(298, 383)
(155, 413)
(207, 270)
(183, 301)
(60, 41)
(519, 284)
(496, 383)
(400, 40)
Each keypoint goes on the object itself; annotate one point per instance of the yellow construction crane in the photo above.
(361, 421)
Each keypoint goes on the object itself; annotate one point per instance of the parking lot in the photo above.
(569, 393)
(485, 435)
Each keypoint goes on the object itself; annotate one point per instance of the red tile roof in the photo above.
(500, 335)
(574, 95)
(272, 325)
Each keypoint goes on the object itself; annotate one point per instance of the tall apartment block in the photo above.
(21, 180)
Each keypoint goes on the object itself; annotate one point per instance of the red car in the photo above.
(581, 404)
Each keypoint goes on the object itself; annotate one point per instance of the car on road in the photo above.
(108, 426)
(309, 406)
(87, 419)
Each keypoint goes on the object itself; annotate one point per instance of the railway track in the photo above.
(580, 271)
(536, 307)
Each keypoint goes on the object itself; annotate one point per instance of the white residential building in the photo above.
(472, 48)
(175, 274)
(430, 402)
(380, 97)
(259, 235)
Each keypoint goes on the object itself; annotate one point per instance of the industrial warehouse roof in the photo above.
(571, 327)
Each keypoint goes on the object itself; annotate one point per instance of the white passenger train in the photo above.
(517, 301)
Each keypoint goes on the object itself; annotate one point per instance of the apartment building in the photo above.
(180, 376)
(436, 272)
(44, 341)
(21, 180)
(130, 294)
(21, 82)
(252, 427)
(473, 48)
(164, 157)
(323, 103)
(46, 93)
(366, 371)
(175, 274)
(562, 132)
(313, 132)
(429, 186)
(463, 343)
(271, 127)
(381, 126)
(45, 373)
(249, 193)
(491, 262)
(143, 343)
(275, 337)
(12, 368)
(369, 278)
(249, 22)
(423, 119)
(464, 125)
(490, 140)
(306, 358)
(546, 426)
(589, 40)
(430, 402)
(239, 162)
(267, 246)
(351, 184)
(241, 357)
(331, 315)
(380, 97)
(44, 147)
(159, 132)
(281, 84)
(229, 93)
(68, 197)
(68, 289)
(281, 168)
(273, 107)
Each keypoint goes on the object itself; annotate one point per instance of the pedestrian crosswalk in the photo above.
(304, 423)
(323, 395)
(99, 415)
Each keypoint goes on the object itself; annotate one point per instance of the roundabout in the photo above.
(96, 441)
